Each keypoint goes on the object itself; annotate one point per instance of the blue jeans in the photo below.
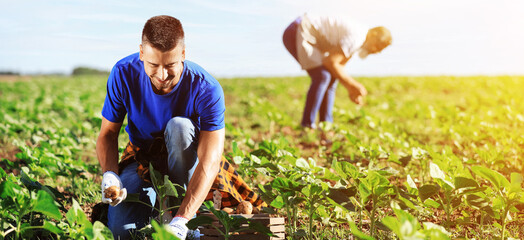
(321, 93)
(181, 136)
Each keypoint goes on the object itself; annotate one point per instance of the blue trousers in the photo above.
(321, 93)
(181, 136)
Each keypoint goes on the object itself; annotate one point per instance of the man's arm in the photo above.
(107, 145)
(335, 63)
(210, 148)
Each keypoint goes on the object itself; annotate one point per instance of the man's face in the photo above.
(163, 68)
(374, 45)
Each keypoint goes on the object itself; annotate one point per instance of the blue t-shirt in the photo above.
(197, 96)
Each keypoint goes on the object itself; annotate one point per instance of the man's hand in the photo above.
(112, 191)
(357, 92)
(178, 227)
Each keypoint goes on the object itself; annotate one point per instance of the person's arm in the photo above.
(210, 148)
(107, 145)
(335, 63)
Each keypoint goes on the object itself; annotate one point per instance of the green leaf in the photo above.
(76, 215)
(462, 182)
(496, 224)
(346, 170)
(342, 196)
(302, 163)
(516, 182)
(432, 203)
(133, 197)
(7, 189)
(405, 160)
(300, 234)
(170, 187)
(392, 223)
(404, 202)
(201, 220)
(46, 205)
(161, 232)
(222, 216)
(155, 176)
(278, 202)
(101, 232)
(26, 230)
(435, 172)
(210, 206)
(494, 177)
(294, 201)
(427, 191)
(3, 174)
(27, 181)
(358, 234)
(51, 226)
(410, 182)
(364, 191)
(476, 201)
(284, 184)
(375, 179)
(259, 227)
(238, 160)
(354, 140)
(236, 151)
(435, 232)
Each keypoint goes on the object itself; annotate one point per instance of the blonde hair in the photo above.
(380, 34)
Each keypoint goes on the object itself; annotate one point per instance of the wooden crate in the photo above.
(275, 224)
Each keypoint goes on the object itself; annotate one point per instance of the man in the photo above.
(165, 98)
(323, 45)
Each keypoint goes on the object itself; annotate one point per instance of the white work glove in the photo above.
(111, 179)
(178, 227)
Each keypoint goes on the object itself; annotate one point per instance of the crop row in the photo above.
(423, 160)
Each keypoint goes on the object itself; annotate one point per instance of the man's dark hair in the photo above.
(163, 32)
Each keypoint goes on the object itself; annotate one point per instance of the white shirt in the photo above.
(317, 36)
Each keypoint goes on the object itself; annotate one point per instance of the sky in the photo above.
(236, 38)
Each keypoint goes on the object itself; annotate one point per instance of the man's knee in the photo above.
(178, 126)
(179, 130)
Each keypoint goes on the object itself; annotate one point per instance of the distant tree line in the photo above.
(88, 71)
(9, 73)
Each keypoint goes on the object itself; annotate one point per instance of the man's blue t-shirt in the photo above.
(197, 96)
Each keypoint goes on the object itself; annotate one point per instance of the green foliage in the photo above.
(507, 194)
(88, 71)
(168, 195)
(230, 223)
(443, 144)
(161, 232)
(406, 226)
(79, 227)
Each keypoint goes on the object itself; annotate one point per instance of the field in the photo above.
(426, 158)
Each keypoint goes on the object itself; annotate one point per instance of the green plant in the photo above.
(26, 210)
(406, 226)
(161, 232)
(314, 192)
(286, 194)
(168, 195)
(79, 227)
(376, 190)
(314, 195)
(230, 223)
(50, 125)
(507, 194)
(453, 191)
